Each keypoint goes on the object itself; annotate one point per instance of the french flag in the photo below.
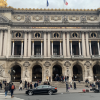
(65, 2)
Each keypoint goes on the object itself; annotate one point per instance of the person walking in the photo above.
(74, 85)
(12, 90)
(6, 90)
(31, 85)
(28, 85)
(20, 86)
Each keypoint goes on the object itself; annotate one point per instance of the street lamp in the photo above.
(11, 72)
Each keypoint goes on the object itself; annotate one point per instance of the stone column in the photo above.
(52, 48)
(29, 44)
(98, 48)
(64, 45)
(5, 43)
(13, 49)
(83, 45)
(41, 48)
(45, 45)
(21, 48)
(87, 45)
(60, 49)
(33, 48)
(71, 47)
(79, 48)
(90, 48)
(25, 44)
(68, 52)
(9, 43)
(48, 44)
(1, 40)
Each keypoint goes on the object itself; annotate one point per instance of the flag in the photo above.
(65, 2)
(47, 3)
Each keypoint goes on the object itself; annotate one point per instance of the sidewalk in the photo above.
(60, 90)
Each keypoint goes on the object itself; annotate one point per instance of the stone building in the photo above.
(40, 44)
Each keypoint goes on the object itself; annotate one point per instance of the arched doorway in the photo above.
(16, 73)
(77, 73)
(57, 72)
(37, 73)
(96, 72)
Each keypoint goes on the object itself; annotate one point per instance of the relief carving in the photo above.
(74, 18)
(46, 18)
(27, 18)
(3, 19)
(87, 64)
(18, 17)
(83, 19)
(92, 18)
(55, 18)
(67, 64)
(1, 71)
(47, 64)
(64, 19)
(37, 18)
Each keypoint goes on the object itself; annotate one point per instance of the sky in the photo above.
(72, 4)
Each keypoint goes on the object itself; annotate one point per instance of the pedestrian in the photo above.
(1, 85)
(65, 78)
(12, 90)
(25, 84)
(28, 85)
(31, 85)
(20, 87)
(6, 90)
(74, 85)
(10, 86)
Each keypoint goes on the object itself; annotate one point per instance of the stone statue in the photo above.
(3, 3)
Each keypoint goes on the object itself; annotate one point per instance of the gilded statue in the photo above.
(3, 3)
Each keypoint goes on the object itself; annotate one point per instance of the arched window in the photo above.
(93, 35)
(37, 35)
(56, 35)
(18, 34)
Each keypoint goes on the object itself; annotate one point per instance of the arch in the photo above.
(79, 75)
(96, 71)
(37, 73)
(16, 73)
(56, 73)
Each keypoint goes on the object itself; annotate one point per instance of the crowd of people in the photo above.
(61, 78)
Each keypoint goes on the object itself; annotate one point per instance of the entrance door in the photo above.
(77, 73)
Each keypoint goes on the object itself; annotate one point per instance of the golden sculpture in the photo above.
(3, 3)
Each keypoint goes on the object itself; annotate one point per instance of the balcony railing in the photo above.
(16, 56)
(77, 56)
(2, 57)
(37, 56)
(95, 56)
(57, 56)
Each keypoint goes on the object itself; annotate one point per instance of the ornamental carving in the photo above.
(74, 35)
(92, 18)
(74, 18)
(1, 71)
(37, 35)
(83, 19)
(46, 18)
(18, 17)
(64, 19)
(3, 19)
(87, 64)
(47, 72)
(93, 35)
(67, 64)
(26, 64)
(18, 35)
(47, 64)
(37, 18)
(56, 35)
(27, 18)
(55, 18)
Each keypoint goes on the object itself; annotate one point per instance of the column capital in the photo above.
(33, 41)
(52, 41)
(22, 41)
(98, 41)
(41, 41)
(71, 41)
(89, 41)
(60, 41)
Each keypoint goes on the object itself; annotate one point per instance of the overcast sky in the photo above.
(73, 4)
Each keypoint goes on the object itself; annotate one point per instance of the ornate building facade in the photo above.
(40, 44)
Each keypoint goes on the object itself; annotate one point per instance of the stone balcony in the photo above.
(95, 56)
(37, 56)
(15, 56)
(57, 56)
(77, 56)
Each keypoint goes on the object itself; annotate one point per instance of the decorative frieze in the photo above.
(92, 18)
(3, 19)
(55, 18)
(19, 17)
(27, 18)
(64, 19)
(46, 18)
(83, 19)
(74, 18)
(37, 18)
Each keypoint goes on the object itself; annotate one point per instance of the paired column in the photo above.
(48, 44)
(64, 45)
(71, 47)
(68, 52)
(13, 48)
(45, 45)
(98, 48)
(1, 44)
(90, 48)
(52, 48)
(41, 48)
(32, 48)
(21, 48)
(29, 44)
(87, 44)
(25, 44)
(60, 49)
(79, 48)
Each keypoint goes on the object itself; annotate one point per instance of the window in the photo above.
(56, 35)
(40, 87)
(75, 35)
(93, 35)
(18, 34)
(37, 35)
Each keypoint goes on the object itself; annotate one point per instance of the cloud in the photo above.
(72, 4)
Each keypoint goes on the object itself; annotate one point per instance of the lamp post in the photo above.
(11, 72)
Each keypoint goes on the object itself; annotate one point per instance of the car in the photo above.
(42, 89)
